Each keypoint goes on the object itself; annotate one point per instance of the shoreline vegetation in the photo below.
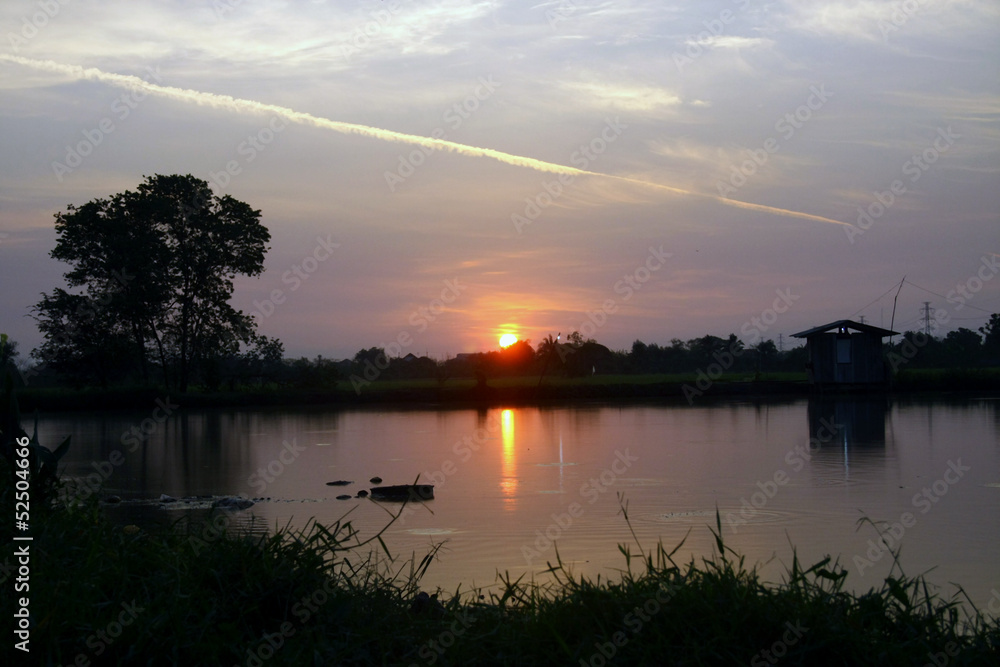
(212, 592)
(208, 594)
(682, 389)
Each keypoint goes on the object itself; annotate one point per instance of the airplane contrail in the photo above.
(250, 106)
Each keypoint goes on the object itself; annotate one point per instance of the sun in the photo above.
(507, 340)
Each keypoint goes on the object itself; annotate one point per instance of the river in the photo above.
(512, 484)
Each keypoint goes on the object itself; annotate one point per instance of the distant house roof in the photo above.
(844, 324)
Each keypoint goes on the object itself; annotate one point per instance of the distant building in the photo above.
(845, 352)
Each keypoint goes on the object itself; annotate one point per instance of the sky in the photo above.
(436, 173)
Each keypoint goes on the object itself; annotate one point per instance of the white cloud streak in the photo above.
(238, 105)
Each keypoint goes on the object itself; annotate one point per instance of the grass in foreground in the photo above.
(104, 594)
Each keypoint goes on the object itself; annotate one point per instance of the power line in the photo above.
(876, 300)
(944, 297)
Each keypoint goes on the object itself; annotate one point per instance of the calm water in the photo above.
(509, 481)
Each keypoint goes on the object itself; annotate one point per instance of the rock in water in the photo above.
(403, 492)
(233, 503)
(344, 497)
(376, 480)
(164, 498)
(362, 494)
(339, 482)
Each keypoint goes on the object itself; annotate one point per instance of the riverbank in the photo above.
(94, 591)
(106, 594)
(683, 389)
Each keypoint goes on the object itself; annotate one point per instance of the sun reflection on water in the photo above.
(508, 462)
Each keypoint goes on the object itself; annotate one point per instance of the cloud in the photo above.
(733, 42)
(237, 105)
(622, 97)
(873, 21)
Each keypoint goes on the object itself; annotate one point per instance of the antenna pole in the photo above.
(892, 321)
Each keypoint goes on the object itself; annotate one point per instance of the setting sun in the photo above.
(507, 340)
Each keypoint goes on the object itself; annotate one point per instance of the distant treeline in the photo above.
(264, 365)
(578, 357)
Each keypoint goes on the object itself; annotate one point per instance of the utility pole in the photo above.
(927, 318)
(862, 319)
(781, 345)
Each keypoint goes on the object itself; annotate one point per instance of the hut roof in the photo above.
(844, 324)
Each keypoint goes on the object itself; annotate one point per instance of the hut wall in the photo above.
(846, 358)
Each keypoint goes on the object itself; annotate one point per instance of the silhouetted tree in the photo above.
(157, 267)
(83, 341)
(548, 354)
(963, 347)
(588, 358)
(991, 339)
(764, 352)
(8, 357)
(518, 356)
(375, 356)
(317, 374)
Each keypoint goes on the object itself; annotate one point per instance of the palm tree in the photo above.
(547, 349)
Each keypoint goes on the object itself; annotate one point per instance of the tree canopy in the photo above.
(154, 271)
